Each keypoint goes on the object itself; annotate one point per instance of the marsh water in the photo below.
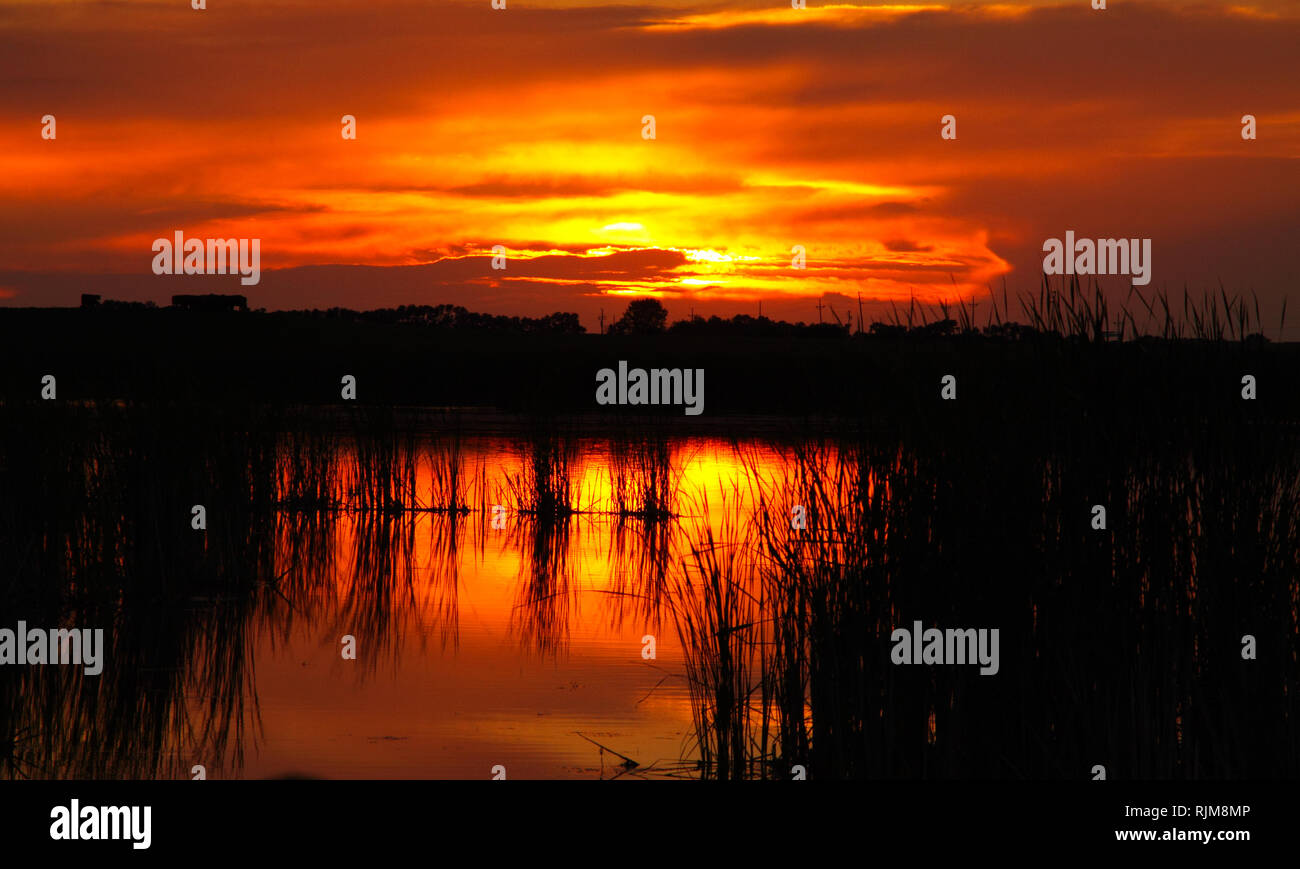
(415, 600)
(483, 638)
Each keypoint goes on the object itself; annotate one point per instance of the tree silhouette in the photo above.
(642, 317)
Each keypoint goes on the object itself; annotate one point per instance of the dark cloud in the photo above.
(242, 59)
(902, 245)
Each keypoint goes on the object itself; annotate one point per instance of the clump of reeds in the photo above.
(720, 619)
(643, 483)
(542, 487)
(308, 473)
(1071, 309)
(451, 484)
(1128, 639)
(382, 475)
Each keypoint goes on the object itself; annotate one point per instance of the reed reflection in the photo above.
(772, 638)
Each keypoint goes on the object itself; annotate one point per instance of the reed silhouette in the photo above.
(1120, 646)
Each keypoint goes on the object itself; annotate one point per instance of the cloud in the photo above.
(523, 128)
(902, 245)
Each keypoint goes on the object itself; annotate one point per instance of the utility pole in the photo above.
(859, 312)
(602, 321)
(819, 309)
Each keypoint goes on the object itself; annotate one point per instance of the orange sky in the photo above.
(775, 127)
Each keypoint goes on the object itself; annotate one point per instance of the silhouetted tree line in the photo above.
(458, 318)
(744, 324)
(650, 317)
(116, 306)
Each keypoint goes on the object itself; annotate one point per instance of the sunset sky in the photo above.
(775, 127)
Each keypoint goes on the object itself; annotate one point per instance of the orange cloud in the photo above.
(775, 128)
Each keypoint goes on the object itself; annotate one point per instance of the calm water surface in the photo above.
(491, 646)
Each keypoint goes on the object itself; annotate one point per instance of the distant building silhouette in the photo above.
(90, 300)
(211, 302)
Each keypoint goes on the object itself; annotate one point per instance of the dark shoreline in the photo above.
(287, 359)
